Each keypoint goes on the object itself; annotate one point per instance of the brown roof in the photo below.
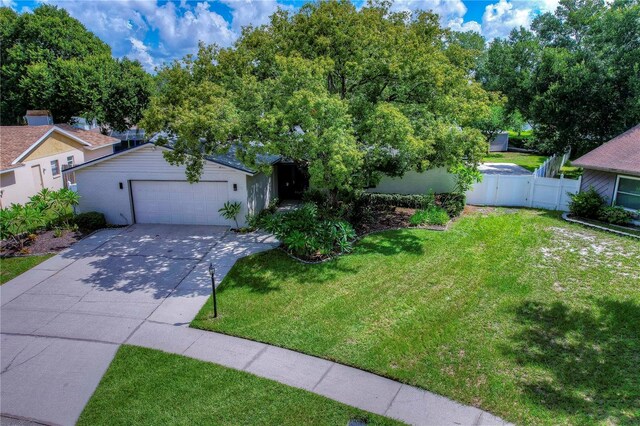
(15, 140)
(621, 154)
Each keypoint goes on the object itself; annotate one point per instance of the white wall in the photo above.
(260, 191)
(436, 180)
(22, 186)
(97, 153)
(98, 184)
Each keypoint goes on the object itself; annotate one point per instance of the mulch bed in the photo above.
(45, 242)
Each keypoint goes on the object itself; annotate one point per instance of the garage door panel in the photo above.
(179, 202)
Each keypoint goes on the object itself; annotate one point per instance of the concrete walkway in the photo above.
(63, 321)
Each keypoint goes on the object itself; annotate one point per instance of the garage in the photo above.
(179, 202)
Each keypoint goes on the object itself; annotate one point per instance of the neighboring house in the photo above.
(613, 170)
(139, 186)
(33, 157)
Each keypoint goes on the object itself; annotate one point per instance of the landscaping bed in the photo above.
(149, 387)
(515, 311)
(43, 242)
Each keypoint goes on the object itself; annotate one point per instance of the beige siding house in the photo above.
(33, 157)
(613, 170)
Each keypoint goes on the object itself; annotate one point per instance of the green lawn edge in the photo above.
(146, 386)
(11, 267)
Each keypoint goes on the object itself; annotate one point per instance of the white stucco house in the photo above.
(33, 157)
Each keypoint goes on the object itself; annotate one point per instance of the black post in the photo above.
(212, 272)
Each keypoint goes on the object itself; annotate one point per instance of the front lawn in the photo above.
(523, 159)
(515, 311)
(149, 387)
(11, 267)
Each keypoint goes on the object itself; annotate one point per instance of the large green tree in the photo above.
(349, 94)
(51, 61)
(575, 75)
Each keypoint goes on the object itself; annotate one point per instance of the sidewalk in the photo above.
(345, 384)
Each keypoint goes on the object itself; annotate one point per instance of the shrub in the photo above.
(614, 214)
(586, 204)
(412, 201)
(90, 221)
(230, 211)
(306, 235)
(431, 216)
(452, 202)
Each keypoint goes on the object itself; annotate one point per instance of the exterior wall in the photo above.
(19, 185)
(54, 145)
(603, 182)
(99, 190)
(94, 154)
(260, 191)
(436, 180)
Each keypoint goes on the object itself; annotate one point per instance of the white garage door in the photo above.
(179, 202)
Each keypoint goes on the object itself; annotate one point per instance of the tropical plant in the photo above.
(18, 221)
(230, 211)
(305, 234)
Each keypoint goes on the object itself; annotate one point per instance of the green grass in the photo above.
(571, 172)
(515, 311)
(11, 267)
(523, 134)
(528, 161)
(149, 387)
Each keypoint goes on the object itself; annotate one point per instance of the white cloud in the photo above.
(8, 3)
(252, 12)
(140, 52)
(445, 8)
(458, 24)
(500, 18)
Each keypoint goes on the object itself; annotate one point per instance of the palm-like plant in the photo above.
(231, 210)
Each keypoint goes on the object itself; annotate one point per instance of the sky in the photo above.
(154, 31)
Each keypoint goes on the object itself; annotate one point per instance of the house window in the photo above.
(628, 192)
(55, 168)
(70, 161)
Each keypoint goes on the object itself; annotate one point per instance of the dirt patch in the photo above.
(594, 249)
(387, 219)
(45, 242)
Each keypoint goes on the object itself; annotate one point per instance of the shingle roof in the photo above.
(15, 140)
(621, 154)
(228, 159)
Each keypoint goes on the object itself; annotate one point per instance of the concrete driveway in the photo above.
(503, 169)
(62, 321)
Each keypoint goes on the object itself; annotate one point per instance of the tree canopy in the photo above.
(575, 75)
(51, 61)
(347, 93)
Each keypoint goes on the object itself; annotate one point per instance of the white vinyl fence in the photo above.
(523, 191)
(552, 166)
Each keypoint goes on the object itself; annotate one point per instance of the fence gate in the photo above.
(523, 191)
